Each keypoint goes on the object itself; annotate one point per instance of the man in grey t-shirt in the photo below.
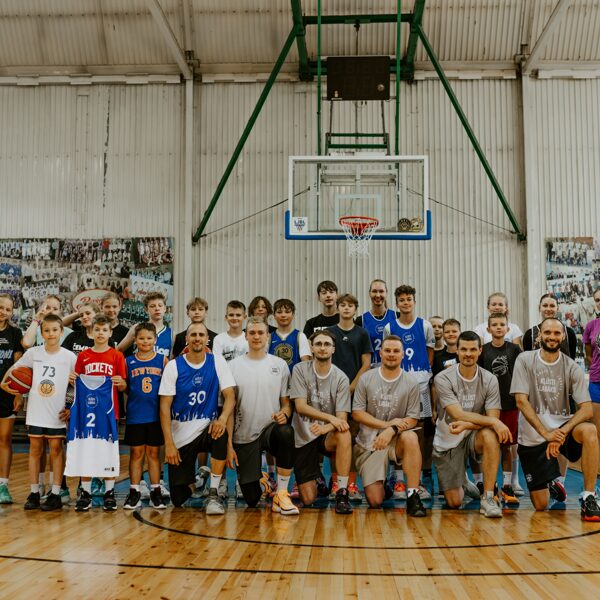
(468, 426)
(542, 382)
(386, 406)
(321, 397)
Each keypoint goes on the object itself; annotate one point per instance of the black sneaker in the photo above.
(322, 487)
(557, 491)
(33, 501)
(84, 501)
(590, 511)
(479, 485)
(110, 502)
(157, 498)
(52, 502)
(133, 500)
(414, 506)
(342, 502)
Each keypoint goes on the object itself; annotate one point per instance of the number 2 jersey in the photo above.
(143, 382)
(92, 436)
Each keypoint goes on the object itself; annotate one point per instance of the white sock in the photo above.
(586, 494)
(215, 480)
(87, 486)
(342, 482)
(153, 486)
(282, 482)
(136, 487)
(56, 489)
(109, 484)
(3, 480)
(507, 477)
(477, 477)
(51, 478)
(35, 488)
(399, 474)
(41, 478)
(411, 491)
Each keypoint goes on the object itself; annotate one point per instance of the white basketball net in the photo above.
(359, 231)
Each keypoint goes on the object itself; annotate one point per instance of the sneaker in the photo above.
(214, 504)
(295, 493)
(110, 503)
(5, 497)
(133, 500)
(479, 485)
(202, 478)
(65, 496)
(471, 490)
(342, 502)
(84, 501)
(334, 490)
(414, 505)
(423, 492)
(354, 493)
(223, 490)
(238, 491)
(490, 506)
(98, 487)
(590, 511)
(322, 487)
(516, 486)
(265, 484)
(33, 501)
(52, 502)
(164, 490)
(157, 498)
(282, 503)
(144, 490)
(557, 491)
(508, 495)
(399, 490)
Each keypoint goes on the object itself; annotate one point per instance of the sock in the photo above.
(56, 489)
(507, 477)
(282, 482)
(489, 495)
(51, 478)
(136, 487)
(477, 477)
(42, 478)
(411, 491)
(399, 474)
(35, 488)
(342, 482)
(109, 484)
(87, 486)
(215, 480)
(3, 480)
(562, 479)
(586, 494)
(154, 485)
(162, 482)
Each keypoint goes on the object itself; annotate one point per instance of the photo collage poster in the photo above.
(83, 270)
(572, 275)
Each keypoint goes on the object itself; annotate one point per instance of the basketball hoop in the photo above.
(358, 231)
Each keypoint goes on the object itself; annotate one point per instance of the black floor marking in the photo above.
(137, 514)
(362, 574)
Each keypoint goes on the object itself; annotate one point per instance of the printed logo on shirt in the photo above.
(285, 352)
(197, 380)
(91, 401)
(46, 388)
(275, 370)
(408, 338)
(500, 366)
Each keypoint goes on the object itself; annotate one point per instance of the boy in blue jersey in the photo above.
(143, 432)
(418, 341)
(286, 342)
(189, 392)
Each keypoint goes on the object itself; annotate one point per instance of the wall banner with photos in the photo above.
(84, 270)
(572, 275)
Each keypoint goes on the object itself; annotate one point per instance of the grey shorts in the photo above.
(372, 465)
(450, 465)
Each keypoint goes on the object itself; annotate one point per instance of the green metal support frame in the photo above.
(246, 133)
(305, 72)
(411, 48)
(470, 133)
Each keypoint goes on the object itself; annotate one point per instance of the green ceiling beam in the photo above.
(353, 19)
(305, 73)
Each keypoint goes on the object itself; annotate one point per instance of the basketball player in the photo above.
(437, 323)
(327, 293)
(10, 351)
(375, 319)
(387, 405)
(498, 303)
(286, 342)
(32, 336)
(261, 307)
(52, 366)
(111, 307)
(321, 396)
(196, 311)
(542, 382)
(262, 418)
(468, 426)
(81, 339)
(143, 432)
(189, 392)
(447, 356)
(232, 343)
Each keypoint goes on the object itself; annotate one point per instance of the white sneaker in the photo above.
(144, 490)
(223, 490)
(423, 492)
(470, 489)
(490, 506)
(518, 490)
(202, 478)
(164, 490)
(238, 491)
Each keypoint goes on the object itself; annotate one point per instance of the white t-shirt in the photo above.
(514, 331)
(230, 347)
(49, 385)
(261, 383)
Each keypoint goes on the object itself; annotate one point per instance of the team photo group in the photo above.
(376, 405)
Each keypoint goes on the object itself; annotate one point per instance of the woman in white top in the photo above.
(498, 303)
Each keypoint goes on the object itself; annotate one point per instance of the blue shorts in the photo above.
(594, 390)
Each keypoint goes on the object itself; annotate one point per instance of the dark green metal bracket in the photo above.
(411, 49)
(305, 72)
(470, 133)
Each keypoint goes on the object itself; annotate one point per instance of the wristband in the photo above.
(397, 429)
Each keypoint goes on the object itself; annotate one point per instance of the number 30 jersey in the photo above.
(143, 379)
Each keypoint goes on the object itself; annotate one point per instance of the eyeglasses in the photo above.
(323, 344)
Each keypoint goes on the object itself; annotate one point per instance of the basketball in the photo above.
(19, 380)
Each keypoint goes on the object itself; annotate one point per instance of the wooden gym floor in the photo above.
(181, 553)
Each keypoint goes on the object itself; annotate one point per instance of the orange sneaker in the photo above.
(282, 503)
(399, 491)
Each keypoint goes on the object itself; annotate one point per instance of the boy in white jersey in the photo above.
(52, 366)
(232, 343)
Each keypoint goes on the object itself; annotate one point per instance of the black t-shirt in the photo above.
(501, 362)
(568, 346)
(320, 322)
(10, 342)
(78, 341)
(180, 343)
(442, 359)
(349, 348)
(118, 333)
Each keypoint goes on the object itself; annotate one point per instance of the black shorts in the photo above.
(539, 471)
(250, 456)
(428, 427)
(308, 457)
(6, 405)
(144, 434)
(49, 432)
(185, 472)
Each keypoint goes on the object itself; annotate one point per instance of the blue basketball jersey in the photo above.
(143, 381)
(164, 342)
(196, 391)
(375, 329)
(92, 413)
(415, 345)
(287, 349)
